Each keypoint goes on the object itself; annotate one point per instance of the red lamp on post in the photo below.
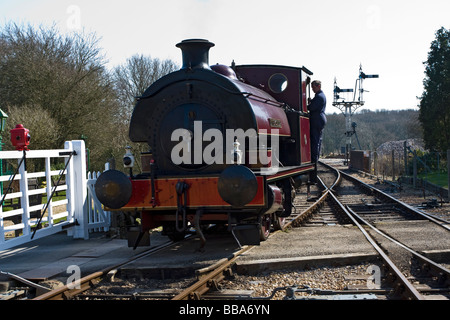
(20, 137)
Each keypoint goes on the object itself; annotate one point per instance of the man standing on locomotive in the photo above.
(318, 120)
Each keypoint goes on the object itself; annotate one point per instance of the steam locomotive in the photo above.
(227, 145)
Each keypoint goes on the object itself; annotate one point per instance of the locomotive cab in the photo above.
(226, 144)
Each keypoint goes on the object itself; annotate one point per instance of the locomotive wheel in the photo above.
(266, 223)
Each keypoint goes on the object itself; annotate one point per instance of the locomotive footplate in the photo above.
(279, 173)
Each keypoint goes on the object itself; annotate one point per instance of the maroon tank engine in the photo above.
(226, 145)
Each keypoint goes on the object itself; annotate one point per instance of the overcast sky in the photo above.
(331, 38)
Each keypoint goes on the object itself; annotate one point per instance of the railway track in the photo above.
(70, 291)
(338, 201)
(208, 277)
(329, 210)
(377, 207)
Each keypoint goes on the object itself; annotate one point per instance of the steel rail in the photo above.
(68, 291)
(316, 205)
(409, 288)
(437, 270)
(217, 272)
(434, 268)
(193, 292)
(440, 222)
(209, 280)
(306, 213)
(337, 172)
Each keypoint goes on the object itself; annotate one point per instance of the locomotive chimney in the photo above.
(195, 53)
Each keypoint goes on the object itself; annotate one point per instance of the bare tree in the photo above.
(36, 118)
(131, 79)
(63, 78)
(135, 76)
(63, 75)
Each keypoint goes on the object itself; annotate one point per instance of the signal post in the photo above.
(348, 107)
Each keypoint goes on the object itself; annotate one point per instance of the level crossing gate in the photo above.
(30, 210)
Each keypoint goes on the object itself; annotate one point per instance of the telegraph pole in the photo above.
(348, 107)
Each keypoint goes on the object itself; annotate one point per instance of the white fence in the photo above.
(78, 213)
(98, 220)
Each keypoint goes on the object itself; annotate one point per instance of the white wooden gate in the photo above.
(79, 212)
